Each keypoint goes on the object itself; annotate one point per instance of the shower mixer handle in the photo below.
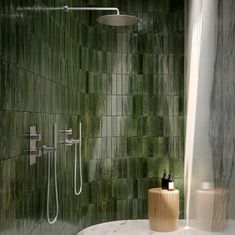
(33, 152)
(68, 142)
(46, 149)
(34, 136)
(76, 141)
(67, 131)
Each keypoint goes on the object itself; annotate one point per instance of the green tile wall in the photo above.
(125, 85)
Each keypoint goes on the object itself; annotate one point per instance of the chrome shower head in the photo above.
(117, 20)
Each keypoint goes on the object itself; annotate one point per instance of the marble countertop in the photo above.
(140, 227)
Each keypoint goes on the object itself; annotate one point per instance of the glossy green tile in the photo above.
(126, 86)
(138, 105)
(127, 102)
(155, 126)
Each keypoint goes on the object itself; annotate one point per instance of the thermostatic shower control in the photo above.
(33, 137)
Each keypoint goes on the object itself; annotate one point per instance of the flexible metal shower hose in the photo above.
(75, 170)
(52, 221)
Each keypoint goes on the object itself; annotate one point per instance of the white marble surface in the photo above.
(138, 227)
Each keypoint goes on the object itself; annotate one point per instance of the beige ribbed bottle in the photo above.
(163, 209)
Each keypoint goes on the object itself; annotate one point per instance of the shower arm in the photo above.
(66, 8)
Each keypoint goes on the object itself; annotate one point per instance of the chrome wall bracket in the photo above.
(33, 138)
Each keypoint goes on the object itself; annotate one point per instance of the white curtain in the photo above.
(210, 125)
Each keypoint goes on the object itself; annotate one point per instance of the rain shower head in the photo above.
(111, 20)
(117, 20)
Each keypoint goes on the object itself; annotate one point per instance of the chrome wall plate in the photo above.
(33, 137)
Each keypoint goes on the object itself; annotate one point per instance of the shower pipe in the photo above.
(50, 150)
(70, 142)
(110, 20)
(66, 8)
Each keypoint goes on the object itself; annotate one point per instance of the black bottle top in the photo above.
(164, 174)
